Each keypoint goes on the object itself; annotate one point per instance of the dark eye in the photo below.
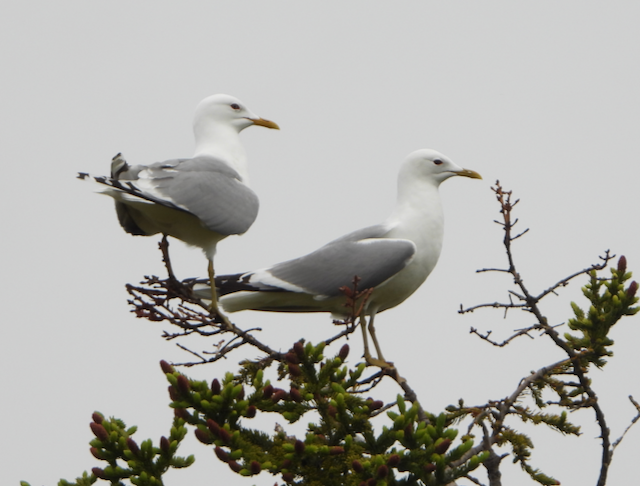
(437, 162)
(235, 106)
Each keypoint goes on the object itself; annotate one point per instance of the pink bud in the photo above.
(298, 348)
(295, 395)
(164, 445)
(133, 447)
(393, 460)
(622, 264)
(287, 477)
(235, 467)
(99, 431)
(251, 411)
(633, 288)
(357, 466)
(334, 451)
(292, 357)
(443, 446)
(166, 367)
(222, 454)
(203, 436)
(344, 352)
(299, 447)
(99, 473)
(267, 391)
(183, 384)
(294, 369)
(97, 418)
(255, 467)
(382, 472)
(215, 386)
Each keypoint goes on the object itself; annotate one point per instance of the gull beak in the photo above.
(468, 173)
(264, 123)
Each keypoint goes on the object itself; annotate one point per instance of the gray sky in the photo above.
(544, 98)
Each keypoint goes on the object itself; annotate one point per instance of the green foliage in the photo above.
(142, 465)
(340, 447)
(609, 302)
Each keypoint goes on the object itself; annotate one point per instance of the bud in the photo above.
(183, 384)
(222, 454)
(429, 467)
(376, 404)
(292, 357)
(251, 411)
(173, 394)
(331, 410)
(133, 447)
(255, 467)
(295, 395)
(633, 288)
(298, 348)
(286, 464)
(278, 395)
(622, 264)
(164, 445)
(372, 482)
(97, 417)
(99, 473)
(334, 451)
(408, 431)
(382, 472)
(287, 477)
(166, 367)
(442, 447)
(224, 435)
(99, 431)
(393, 460)
(344, 352)
(213, 427)
(235, 467)
(299, 447)
(294, 369)
(182, 413)
(240, 395)
(96, 453)
(357, 466)
(215, 386)
(203, 436)
(267, 391)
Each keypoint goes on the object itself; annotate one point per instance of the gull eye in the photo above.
(235, 106)
(437, 162)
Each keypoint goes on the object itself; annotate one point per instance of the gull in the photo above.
(200, 200)
(393, 258)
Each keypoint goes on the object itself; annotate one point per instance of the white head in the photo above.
(432, 166)
(222, 109)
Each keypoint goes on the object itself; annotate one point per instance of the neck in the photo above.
(222, 142)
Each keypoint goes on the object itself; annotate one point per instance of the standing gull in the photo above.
(393, 258)
(200, 200)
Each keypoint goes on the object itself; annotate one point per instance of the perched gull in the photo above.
(200, 200)
(393, 258)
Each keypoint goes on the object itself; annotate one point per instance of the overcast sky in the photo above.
(542, 96)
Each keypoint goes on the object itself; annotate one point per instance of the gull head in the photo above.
(225, 110)
(433, 166)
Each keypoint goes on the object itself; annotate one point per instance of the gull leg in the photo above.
(371, 361)
(214, 310)
(372, 331)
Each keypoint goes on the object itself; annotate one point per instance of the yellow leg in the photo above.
(214, 310)
(371, 361)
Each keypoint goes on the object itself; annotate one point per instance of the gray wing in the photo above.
(202, 186)
(365, 253)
